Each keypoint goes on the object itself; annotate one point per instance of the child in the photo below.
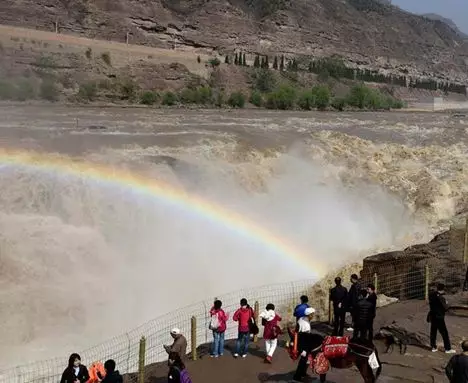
(244, 315)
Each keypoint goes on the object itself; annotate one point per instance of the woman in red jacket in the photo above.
(218, 326)
(243, 315)
(271, 330)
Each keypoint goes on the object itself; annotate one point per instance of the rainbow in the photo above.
(166, 193)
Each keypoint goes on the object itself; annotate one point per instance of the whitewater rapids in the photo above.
(82, 260)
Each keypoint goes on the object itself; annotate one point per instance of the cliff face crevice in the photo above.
(363, 31)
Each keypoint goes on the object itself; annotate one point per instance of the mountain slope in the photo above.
(366, 32)
(449, 22)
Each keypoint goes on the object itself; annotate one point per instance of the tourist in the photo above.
(338, 295)
(75, 372)
(372, 298)
(457, 367)
(271, 330)
(244, 316)
(177, 371)
(218, 326)
(179, 345)
(304, 343)
(437, 308)
(112, 375)
(363, 317)
(353, 297)
(299, 311)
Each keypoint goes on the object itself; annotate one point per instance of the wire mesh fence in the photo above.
(409, 279)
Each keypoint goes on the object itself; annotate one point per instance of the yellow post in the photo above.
(256, 312)
(427, 280)
(141, 360)
(465, 249)
(193, 327)
(330, 312)
(376, 282)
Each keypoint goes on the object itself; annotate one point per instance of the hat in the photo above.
(309, 311)
(175, 331)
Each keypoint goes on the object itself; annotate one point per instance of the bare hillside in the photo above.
(366, 32)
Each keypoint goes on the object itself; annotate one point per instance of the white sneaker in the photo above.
(450, 351)
(236, 355)
(244, 356)
(434, 350)
(350, 329)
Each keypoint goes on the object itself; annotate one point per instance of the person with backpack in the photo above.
(218, 326)
(177, 371)
(271, 330)
(245, 316)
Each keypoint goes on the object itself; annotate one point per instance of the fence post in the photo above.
(330, 315)
(465, 249)
(426, 284)
(193, 328)
(376, 282)
(141, 360)
(256, 310)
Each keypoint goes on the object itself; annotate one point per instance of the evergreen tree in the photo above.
(262, 63)
(257, 62)
(244, 61)
(295, 65)
(226, 60)
(236, 59)
(282, 63)
(275, 63)
(311, 67)
(267, 64)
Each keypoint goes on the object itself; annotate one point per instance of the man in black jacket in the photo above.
(372, 298)
(353, 296)
(112, 375)
(457, 367)
(437, 309)
(338, 295)
(363, 317)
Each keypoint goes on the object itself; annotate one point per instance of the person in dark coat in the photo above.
(112, 375)
(75, 372)
(437, 308)
(372, 298)
(177, 371)
(338, 295)
(457, 368)
(363, 317)
(353, 297)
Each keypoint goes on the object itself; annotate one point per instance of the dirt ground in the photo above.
(417, 365)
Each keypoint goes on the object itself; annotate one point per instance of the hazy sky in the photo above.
(457, 10)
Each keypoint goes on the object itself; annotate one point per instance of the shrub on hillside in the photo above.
(7, 90)
(339, 103)
(169, 99)
(201, 95)
(149, 98)
(87, 91)
(363, 97)
(264, 80)
(282, 98)
(128, 90)
(89, 53)
(106, 58)
(214, 62)
(306, 100)
(256, 98)
(25, 90)
(48, 90)
(322, 96)
(236, 100)
(220, 99)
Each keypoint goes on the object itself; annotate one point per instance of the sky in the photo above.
(457, 10)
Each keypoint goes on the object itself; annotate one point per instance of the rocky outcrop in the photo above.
(402, 274)
(365, 32)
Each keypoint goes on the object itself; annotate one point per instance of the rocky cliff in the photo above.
(366, 32)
